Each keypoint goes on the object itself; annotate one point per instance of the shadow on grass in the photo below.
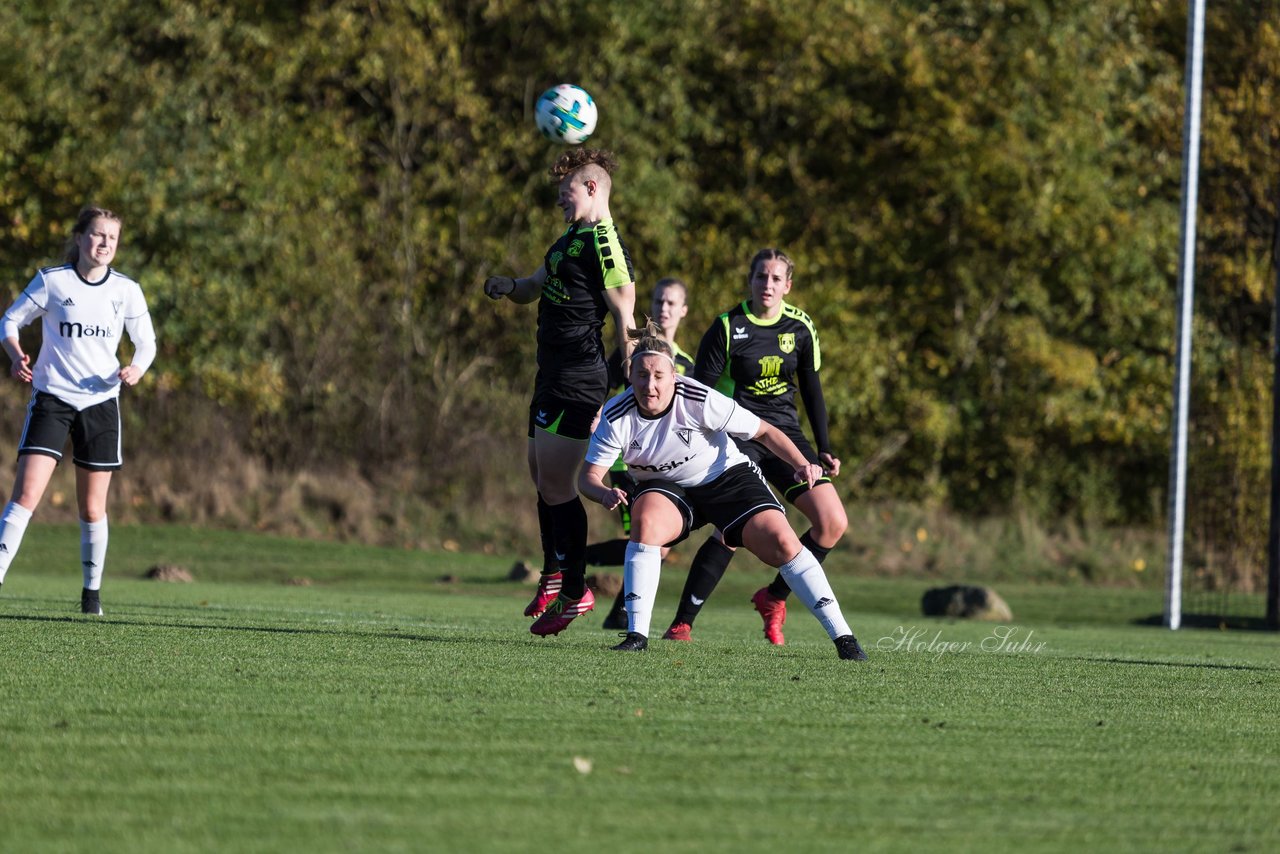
(1211, 621)
(225, 627)
(1147, 663)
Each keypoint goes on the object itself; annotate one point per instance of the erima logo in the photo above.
(68, 301)
(88, 564)
(559, 556)
(542, 417)
(684, 434)
(67, 329)
(695, 600)
(632, 597)
(739, 333)
(822, 603)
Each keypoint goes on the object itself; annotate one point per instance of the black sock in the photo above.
(705, 573)
(546, 528)
(569, 521)
(820, 552)
(608, 553)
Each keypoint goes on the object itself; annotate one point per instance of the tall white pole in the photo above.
(1186, 293)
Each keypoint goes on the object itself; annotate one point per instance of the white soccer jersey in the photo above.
(688, 444)
(82, 326)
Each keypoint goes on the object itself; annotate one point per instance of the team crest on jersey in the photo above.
(786, 341)
(684, 434)
(117, 305)
(575, 248)
(554, 261)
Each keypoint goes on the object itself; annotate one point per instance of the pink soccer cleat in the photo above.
(679, 632)
(774, 613)
(561, 612)
(548, 589)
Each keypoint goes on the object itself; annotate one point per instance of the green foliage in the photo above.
(982, 199)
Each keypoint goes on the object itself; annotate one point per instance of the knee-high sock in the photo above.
(569, 524)
(705, 573)
(804, 575)
(546, 527)
(640, 580)
(13, 524)
(778, 588)
(93, 551)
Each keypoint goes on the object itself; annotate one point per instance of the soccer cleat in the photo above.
(847, 648)
(561, 612)
(774, 613)
(615, 620)
(548, 589)
(679, 632)
(632, 642)
(90, 603)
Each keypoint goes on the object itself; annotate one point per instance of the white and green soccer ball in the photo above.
(566, 113)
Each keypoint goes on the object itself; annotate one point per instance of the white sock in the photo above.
(13, 524)
(93, 551)
(806, 579)
(640, 580)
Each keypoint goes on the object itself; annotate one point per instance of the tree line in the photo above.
(982, 200)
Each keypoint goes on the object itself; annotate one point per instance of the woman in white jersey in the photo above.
(84, 306)
(675, 435)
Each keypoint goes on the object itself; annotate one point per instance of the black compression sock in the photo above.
(570, 523)
(546, 528)
(705, 573)
(608, 553)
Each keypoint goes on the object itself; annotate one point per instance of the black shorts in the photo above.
(779, 472)
(566, 403)
(95, 432)
(728, 502)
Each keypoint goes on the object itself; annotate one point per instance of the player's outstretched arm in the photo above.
(523, 290)
(591, 484)
(785, 449)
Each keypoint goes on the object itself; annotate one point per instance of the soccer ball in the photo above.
(566, 113)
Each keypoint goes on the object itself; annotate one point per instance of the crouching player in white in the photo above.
(674, 435)
(84, 306)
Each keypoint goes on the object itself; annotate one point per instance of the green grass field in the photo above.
(380, 709)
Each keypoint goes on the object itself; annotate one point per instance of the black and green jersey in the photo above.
(761, 364)
(580, 266)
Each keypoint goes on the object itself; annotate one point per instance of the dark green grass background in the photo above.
(380, 709)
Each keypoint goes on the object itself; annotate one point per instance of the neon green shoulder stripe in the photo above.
(725, 384)
(613, 258)
(796, 314)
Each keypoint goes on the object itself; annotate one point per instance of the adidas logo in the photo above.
(822, 603)
(68, 301)
(4, 548)
(635, 444)
(633, 597)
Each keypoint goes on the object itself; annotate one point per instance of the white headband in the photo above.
(635, 356)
